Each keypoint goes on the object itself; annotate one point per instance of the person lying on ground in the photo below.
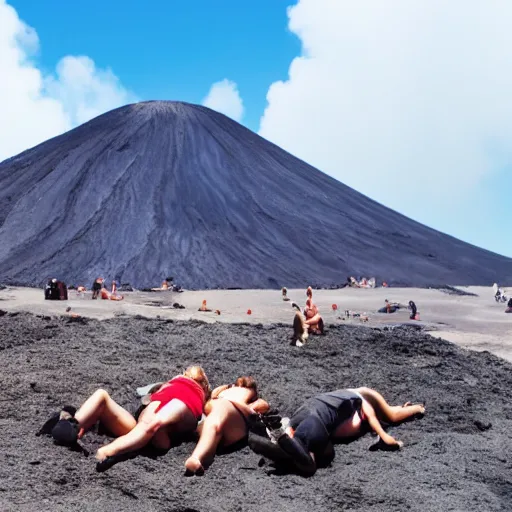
(163, 287)
(339, 415)
(389, 307)
(174, 408)
(106, 295)
(227, 421)
(353, 282)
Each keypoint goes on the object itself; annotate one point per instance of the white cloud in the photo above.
(402, 100)
(225, 98)
(35, 107)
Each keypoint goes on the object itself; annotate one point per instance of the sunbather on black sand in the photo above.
(174, 408)
(306, 321)
(227, 421)
(389, 307)
(332, 416)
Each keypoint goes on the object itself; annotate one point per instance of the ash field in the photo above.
(455, 458)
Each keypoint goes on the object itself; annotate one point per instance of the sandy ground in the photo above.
(455, 458)
(472, 322)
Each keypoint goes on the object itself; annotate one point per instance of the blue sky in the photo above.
(172, 49)
(409, 103)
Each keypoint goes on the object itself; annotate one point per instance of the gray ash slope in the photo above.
(450, 461)
(164, 188)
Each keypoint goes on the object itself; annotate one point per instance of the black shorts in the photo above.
(318, 419)
(310, 430)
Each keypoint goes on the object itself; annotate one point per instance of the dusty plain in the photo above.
(455, 458)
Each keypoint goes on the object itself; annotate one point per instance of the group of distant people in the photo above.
(230, 414)
(393, 307)
(308, 320)
(501, 295)
(99, 289)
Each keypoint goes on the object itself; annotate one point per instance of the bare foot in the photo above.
(391, 445)
(101, 455)
(193, 466)
(419, 408)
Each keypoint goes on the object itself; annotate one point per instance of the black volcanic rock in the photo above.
(163, 188)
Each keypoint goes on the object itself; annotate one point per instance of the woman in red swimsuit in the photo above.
(175, 408)
(226, 422)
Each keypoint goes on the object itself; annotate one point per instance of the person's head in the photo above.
(248, 383)
(309, 292)
(197, 373)
(386, 301)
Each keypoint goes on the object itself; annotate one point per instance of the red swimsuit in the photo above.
(184, 389)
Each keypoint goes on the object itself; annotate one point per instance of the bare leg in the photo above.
(300, 329)
(375, 425)
(100, 407)
(315, 324)
(314, 320)
(150, 422)
(224, 423)
(386, 412)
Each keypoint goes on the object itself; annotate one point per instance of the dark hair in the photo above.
(249, 383)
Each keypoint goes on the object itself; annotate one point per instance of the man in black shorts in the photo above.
(336, 415)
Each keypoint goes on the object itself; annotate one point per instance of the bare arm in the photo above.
(260, 406)
(217, 391)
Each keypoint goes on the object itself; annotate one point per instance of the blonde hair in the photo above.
(197, 374)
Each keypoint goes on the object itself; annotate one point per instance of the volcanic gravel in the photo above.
(458, 457)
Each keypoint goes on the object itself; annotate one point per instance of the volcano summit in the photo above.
(164, 188)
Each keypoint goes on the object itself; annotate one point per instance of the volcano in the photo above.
(166, 188)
